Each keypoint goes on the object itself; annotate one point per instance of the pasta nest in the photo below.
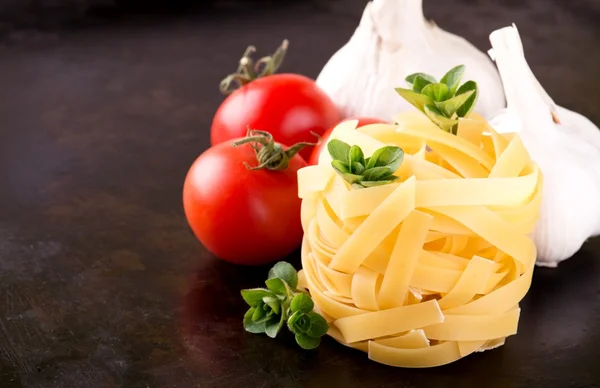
(431, 268)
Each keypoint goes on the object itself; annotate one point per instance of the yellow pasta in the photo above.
(431, 268)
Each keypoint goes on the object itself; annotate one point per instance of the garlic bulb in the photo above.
(564, 144)
(392, 41)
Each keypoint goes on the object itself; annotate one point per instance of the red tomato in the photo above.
(289, 106)
(362, 121)
(243, 216)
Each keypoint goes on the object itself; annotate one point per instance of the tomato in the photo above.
(241, 215)
(289, 106)
(362, 121)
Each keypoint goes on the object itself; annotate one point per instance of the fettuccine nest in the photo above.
(431, 268)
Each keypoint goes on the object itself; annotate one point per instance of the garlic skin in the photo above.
(566, 148)
(392, 41)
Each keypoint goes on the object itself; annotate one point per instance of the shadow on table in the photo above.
(557, 319)
(212, 317)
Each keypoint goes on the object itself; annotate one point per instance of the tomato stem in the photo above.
(270, 154)
(248, 71)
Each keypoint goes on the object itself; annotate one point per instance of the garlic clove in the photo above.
(581, 125)
(392, 41)
(339, 72)
(564, 144)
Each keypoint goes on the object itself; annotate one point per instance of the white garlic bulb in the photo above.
(564, 144)
(392, 41)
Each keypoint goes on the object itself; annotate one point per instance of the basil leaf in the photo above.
(468, 106)
(390, 177)
(302, 303)
(415, 99)
(340, 167)
(372, 161)
(248, 315)
(344, 171)
(449, 107)
(307, 342)
(389, 156)
(259, 313)
(292, 322)
(357, 168)
(437, 92)
(273, 326)
(393, 157)
(377, 183)
(338, 150)
(438, 118)
(355, 155)
(265, 314)
(303, 323)
(278, 286)
(352, 178)
(273, 303)
(254, 296)
(251, 326)
(420, 83)
(375, 173)
(411, 78)
(286, 272)
(454, 129)
(452, 78)
(318, 325)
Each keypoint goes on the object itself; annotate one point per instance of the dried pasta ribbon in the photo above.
(430, 269)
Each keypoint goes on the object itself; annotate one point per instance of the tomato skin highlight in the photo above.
(362, 121)
(289, 106)
(248, 217)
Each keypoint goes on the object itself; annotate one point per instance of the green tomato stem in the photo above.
(248, 70)
(269, 154)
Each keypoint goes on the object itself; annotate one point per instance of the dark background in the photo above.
(104, 107)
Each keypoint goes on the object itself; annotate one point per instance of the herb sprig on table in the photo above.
(282, 303)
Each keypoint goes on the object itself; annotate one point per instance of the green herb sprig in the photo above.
(350, 163)
(281, 302)
(444, 101)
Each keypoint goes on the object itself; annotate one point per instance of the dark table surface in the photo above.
(101, 282)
